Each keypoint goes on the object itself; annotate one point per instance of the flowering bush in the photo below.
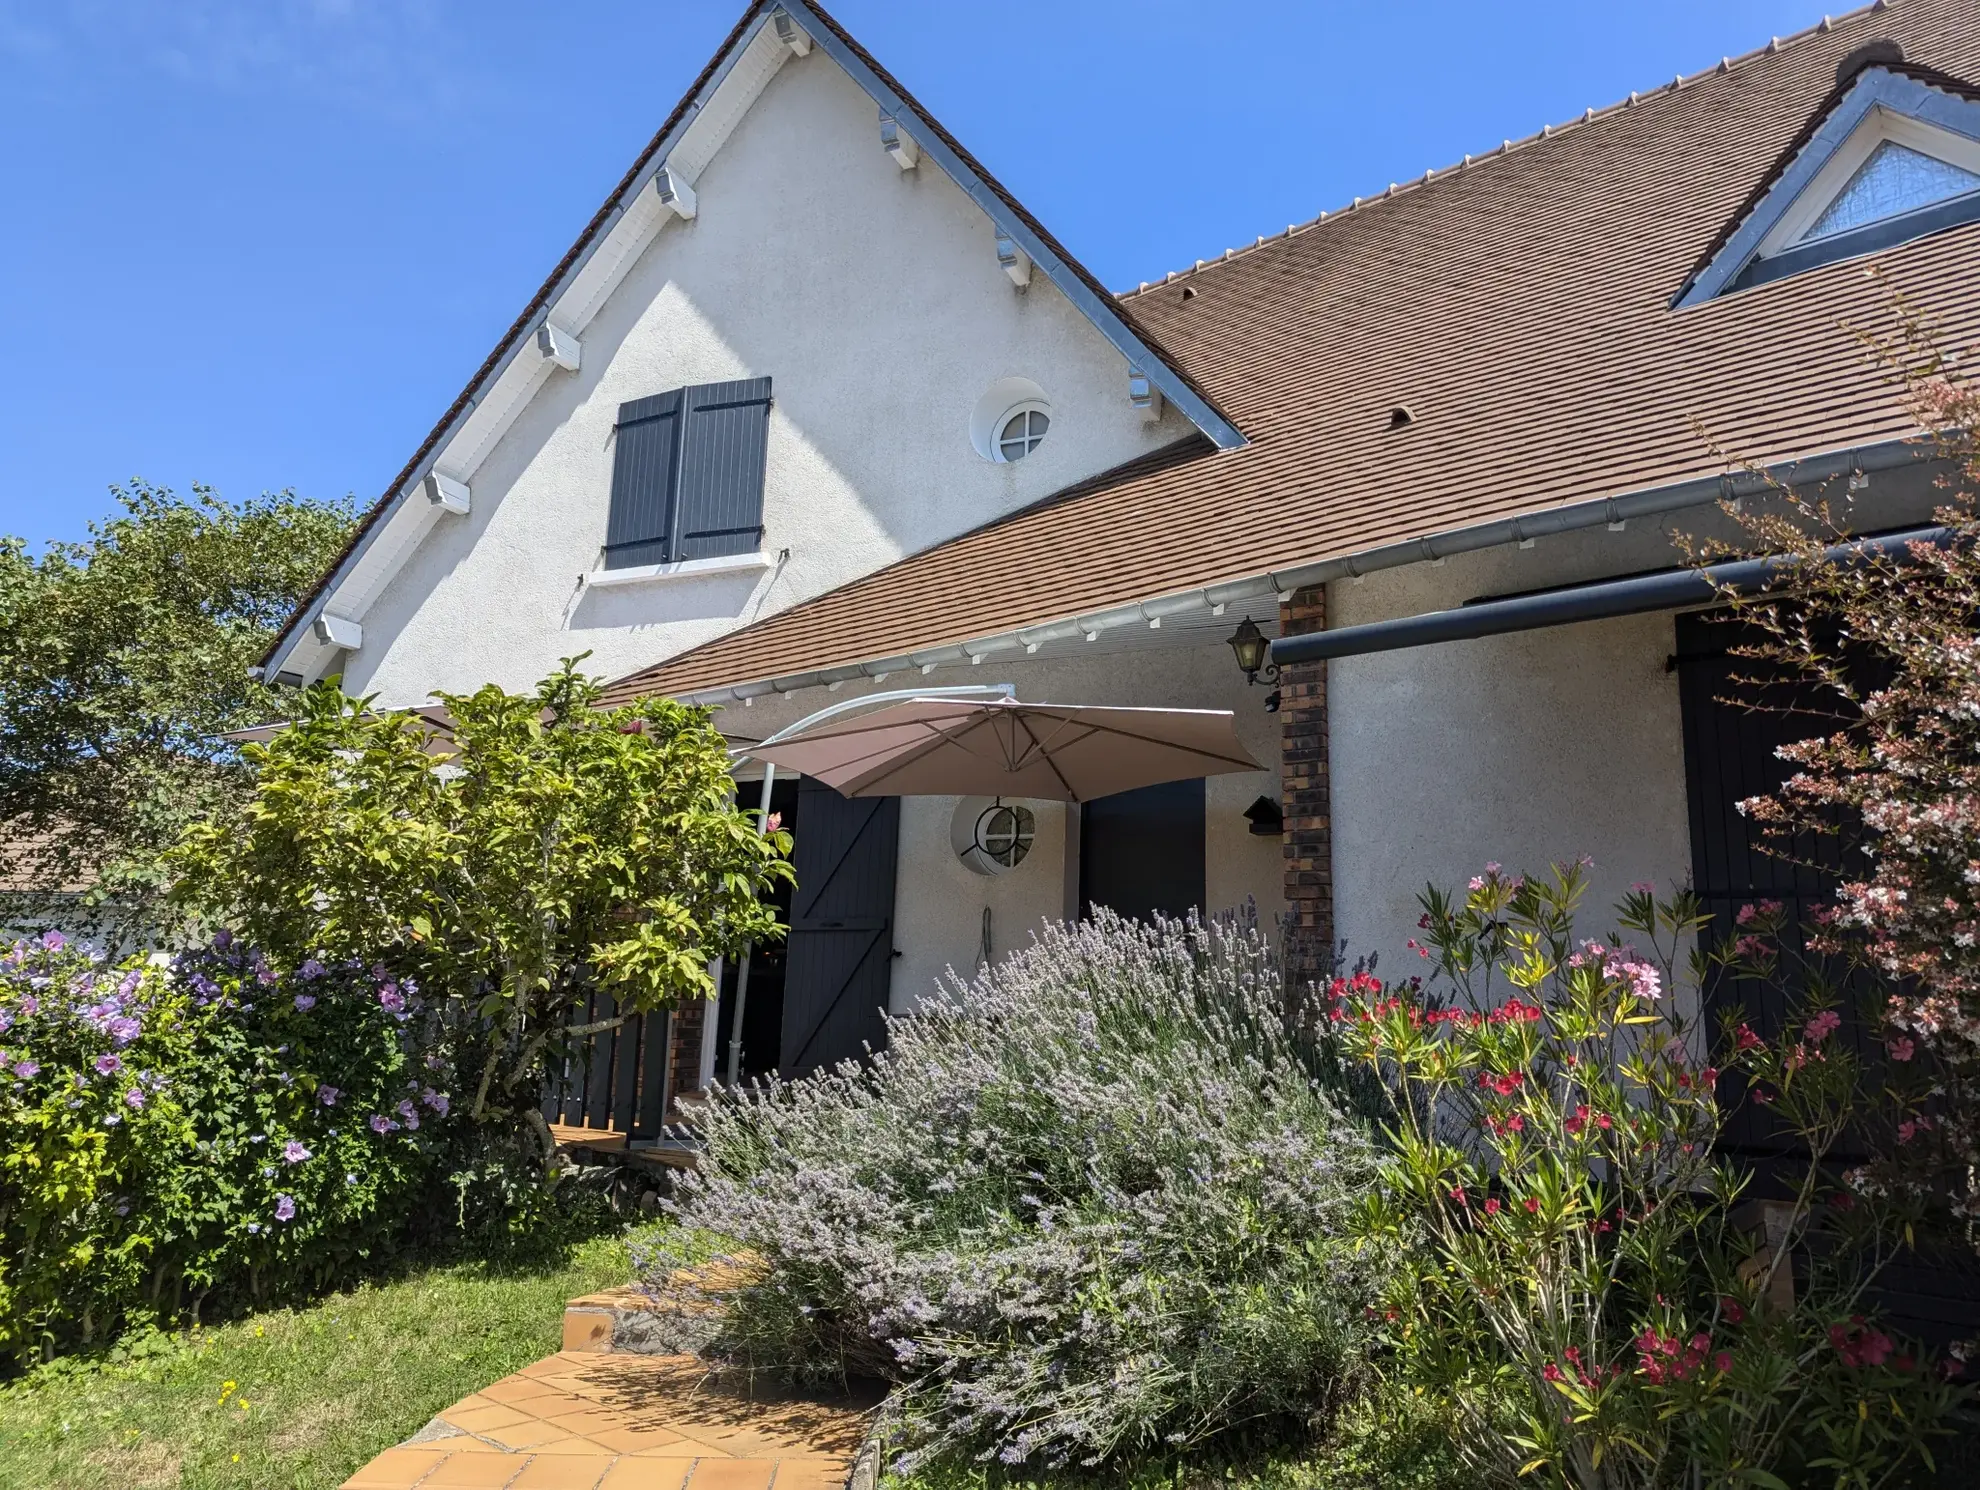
(1585, 1309)
(173, 1127)
(1091, 1205)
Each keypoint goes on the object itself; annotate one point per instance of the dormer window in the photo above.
(1896, 159)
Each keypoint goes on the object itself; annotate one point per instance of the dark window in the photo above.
(687, 474)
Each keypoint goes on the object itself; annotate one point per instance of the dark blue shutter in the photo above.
(646, 468)
(719, 506)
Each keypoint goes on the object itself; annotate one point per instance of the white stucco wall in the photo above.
(872, 297)
(939, 901)
(1523, 749)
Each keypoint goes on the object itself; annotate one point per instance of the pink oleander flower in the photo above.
(1901, 1048)
(1822, 1026)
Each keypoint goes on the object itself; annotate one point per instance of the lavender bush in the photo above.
(1088, 1209)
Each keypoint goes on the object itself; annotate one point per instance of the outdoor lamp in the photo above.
(1252, 646)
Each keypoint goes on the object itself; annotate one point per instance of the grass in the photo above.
(291, 1399)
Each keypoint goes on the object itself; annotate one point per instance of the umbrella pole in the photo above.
(742, 967)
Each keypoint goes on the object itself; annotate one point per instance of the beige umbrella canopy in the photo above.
(1003, 748)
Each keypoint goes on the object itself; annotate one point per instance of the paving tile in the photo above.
(647, 1474)
(632, 1439)
(396, 1469)
(486, 1416)
(576, 1447)
(560, 1474)
(516, 1391)
(586, 1418)
(474, 1472)
(813, 1474)
(532, 1434)
(732, 1474)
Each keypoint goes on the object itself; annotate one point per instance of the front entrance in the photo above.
(1141, 852)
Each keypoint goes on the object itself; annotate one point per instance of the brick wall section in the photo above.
(1304, 793)
(685, 1058)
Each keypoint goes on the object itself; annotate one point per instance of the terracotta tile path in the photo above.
(581, 1420)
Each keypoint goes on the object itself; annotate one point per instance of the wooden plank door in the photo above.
(842, 927)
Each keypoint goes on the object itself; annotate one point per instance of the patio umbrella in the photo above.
(1003, 748)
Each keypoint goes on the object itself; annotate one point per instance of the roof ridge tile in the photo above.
(1592, 115)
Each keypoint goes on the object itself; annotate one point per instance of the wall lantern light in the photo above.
(1252, 647)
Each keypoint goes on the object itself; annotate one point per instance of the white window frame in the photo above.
(1841, 168)
(1028, 406)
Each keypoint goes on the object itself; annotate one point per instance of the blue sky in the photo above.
(262, 243)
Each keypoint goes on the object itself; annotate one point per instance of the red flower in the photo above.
(1551, 1372)
(1492, 1207)
(1748, 1040)
(1457, 1194)
(1722, 1362)
(1732, 1311)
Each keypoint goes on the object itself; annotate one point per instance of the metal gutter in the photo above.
(1271, 585)
(1673, 589)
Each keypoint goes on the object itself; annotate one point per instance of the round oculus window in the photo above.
(1022, 431)
(1004, 834)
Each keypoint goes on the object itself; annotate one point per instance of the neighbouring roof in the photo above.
(1115, 318)
(1519, 304)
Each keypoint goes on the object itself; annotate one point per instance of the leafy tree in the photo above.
(533, 852)
(123, 658)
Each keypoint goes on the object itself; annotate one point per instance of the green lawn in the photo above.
(293, 1399)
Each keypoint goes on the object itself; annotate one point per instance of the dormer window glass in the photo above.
(1895, 179)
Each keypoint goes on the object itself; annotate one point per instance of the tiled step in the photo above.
(582, 1420)
(633, 1321)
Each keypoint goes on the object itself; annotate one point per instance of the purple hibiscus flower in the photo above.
(134, 1098)
(54, 941)
(293, 1152)
(305, 1002)
(26, 1070)
(435, 1100)
(285, 1208)
(108, 1065)
(381, 1124)
(391, 999)
(328, 1095)
(310, 969)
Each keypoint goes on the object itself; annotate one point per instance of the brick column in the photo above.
(684, 1059)
(1304, 790)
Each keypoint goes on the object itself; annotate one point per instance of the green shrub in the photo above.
(170, 1128)
(1087, 1211)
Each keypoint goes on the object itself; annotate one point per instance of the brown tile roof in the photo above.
(603, 218)
(1518, 304)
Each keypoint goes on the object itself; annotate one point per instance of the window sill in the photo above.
(639, 574)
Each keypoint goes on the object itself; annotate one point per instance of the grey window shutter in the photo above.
(646, 469)
(719, 502)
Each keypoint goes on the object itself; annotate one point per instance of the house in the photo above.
(814, 408)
